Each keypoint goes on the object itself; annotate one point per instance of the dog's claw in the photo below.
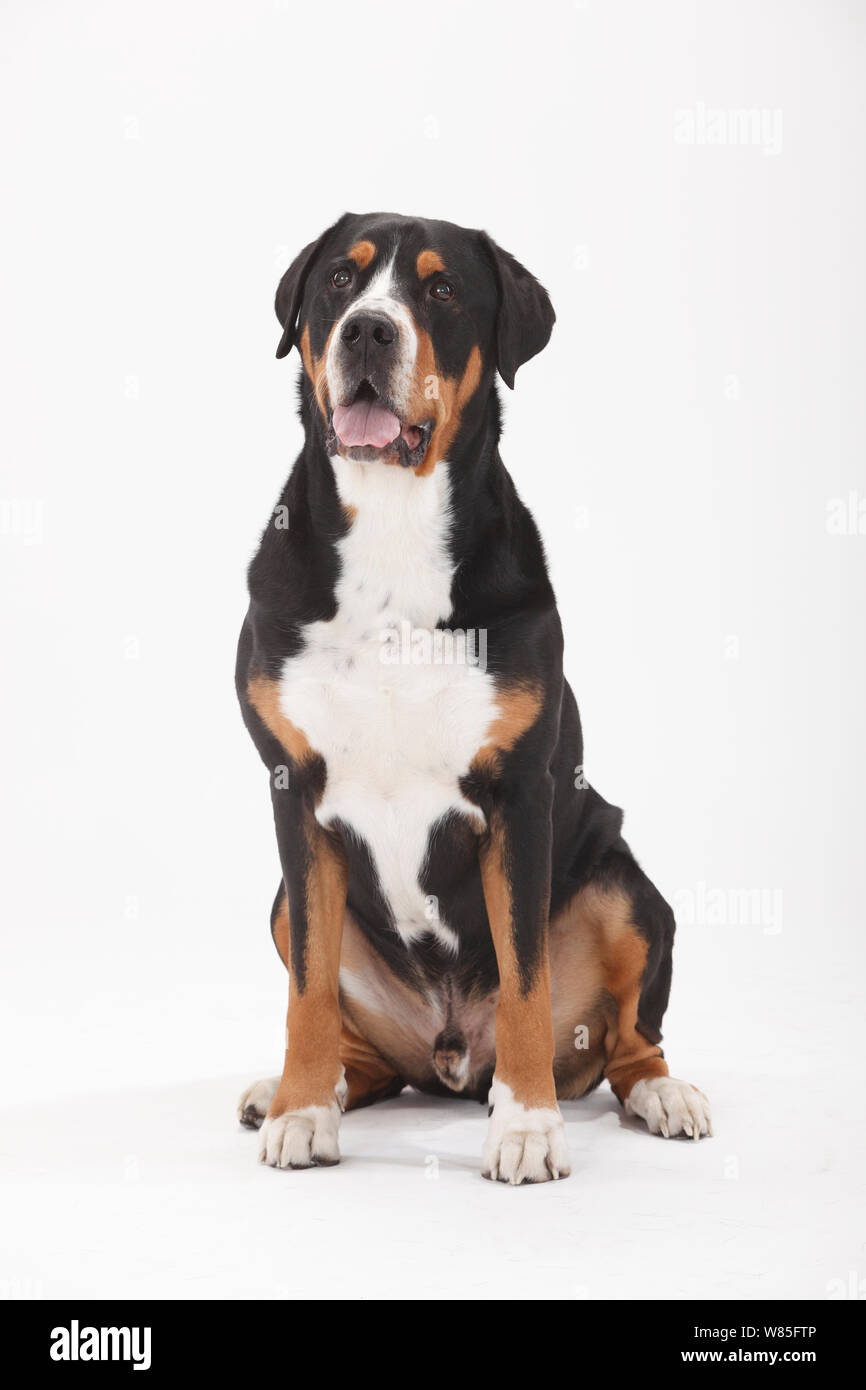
(523, 1146)
(670, 1107)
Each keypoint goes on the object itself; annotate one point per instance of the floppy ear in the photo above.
(525, 319)
(290, 290)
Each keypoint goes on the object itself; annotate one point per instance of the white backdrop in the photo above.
(686, 180)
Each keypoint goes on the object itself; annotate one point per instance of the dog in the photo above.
(458, 910)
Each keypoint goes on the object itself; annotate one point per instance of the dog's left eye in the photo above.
(340, 278)
(442, 289)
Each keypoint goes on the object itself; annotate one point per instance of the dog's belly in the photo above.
(396, 738)
(407, 1022)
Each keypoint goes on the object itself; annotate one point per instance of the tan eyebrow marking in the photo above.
(428, 263)
(362, 254)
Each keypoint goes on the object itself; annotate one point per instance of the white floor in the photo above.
(144, 1190)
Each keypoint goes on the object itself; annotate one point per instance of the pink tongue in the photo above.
(365, 422)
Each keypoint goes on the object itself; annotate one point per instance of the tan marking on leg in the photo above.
(623, 1077)
(579, 1001)
(264, 696)
(599, 957)
(362, 254)
(311, 1067)
(524, 1029)
(428, 263)
(518, 707)
(369, 1076)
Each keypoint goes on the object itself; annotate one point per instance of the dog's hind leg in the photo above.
(369, 1076)
(611, 953)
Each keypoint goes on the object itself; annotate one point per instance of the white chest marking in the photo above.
(396, 737)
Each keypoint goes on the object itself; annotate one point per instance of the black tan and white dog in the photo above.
(458, 911)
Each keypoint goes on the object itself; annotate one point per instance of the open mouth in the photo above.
(369, 428)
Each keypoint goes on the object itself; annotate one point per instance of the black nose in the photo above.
(368, 331)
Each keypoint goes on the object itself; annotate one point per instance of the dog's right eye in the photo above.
(341, 278)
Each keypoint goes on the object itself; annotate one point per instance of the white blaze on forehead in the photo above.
(379, 297)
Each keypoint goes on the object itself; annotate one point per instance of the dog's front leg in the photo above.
(304, 1116)
(526, 1138)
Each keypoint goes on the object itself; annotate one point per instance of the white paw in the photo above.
(253, 1104)
(523, 1146)
(670, 1107)
(304, 1138)
(301, 1138)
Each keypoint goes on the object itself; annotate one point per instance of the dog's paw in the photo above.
(301, 1138)
(523, 1145)
(253, 1104)
(670, 1107)
(304, 1138)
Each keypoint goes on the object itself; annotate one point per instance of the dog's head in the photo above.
(402, 324)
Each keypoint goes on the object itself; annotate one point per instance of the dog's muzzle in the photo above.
(367, 422)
